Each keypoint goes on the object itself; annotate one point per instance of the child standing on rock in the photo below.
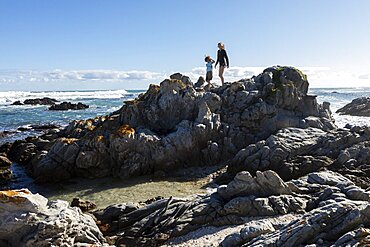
(209, 64)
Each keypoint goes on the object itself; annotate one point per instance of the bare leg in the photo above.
(221, 73)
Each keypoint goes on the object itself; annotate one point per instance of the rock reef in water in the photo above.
(292, 179)
(175, 125)
(64, 106)
(358, 107)
(37, 101)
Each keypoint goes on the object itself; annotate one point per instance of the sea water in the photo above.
(14, 116)
(108, 191)
(339, 97)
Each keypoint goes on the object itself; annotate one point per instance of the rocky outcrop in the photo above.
(293, 152)
(173, 125)
(358, 107)
(17, 103)
(28, 219)
(37, 101)
(64, 106)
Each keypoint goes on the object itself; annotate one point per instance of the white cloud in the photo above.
(317, 76)
(364, 77)
(75, 75)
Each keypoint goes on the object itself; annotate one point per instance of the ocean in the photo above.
(13, 117)
(339, 97)
(105, 102)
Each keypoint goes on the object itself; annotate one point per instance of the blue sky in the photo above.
(96, 44)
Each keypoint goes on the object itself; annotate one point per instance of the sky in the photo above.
(112, 44)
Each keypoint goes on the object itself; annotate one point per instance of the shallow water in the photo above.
(108, 191)
(13, 116)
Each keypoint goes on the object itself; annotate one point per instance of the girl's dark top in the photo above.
(222, 58)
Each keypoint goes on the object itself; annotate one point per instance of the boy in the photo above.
(209, 64)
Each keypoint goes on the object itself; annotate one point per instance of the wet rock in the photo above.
(24, 128)
(5, 174)
(83, 205)
(40, 101)
(22, 152)
(5, 148)
(64, 106)
(44, 127)
(358, 107)
(17, 103)
(4, 161)
(31, 220)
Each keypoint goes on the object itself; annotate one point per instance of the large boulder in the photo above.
(28, 219)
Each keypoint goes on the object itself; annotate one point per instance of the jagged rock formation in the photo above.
(358, 107)
(293, 152)
(28, 219)
(173, 125)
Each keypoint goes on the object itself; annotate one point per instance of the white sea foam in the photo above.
(343, 120)
(9, 97)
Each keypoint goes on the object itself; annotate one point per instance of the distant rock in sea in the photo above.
(17, 103)
(37, 101)
(41, 101)
(358, 107)
(64, 106)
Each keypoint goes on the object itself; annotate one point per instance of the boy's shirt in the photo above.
(209, 66)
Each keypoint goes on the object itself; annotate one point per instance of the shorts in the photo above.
(209, 76)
